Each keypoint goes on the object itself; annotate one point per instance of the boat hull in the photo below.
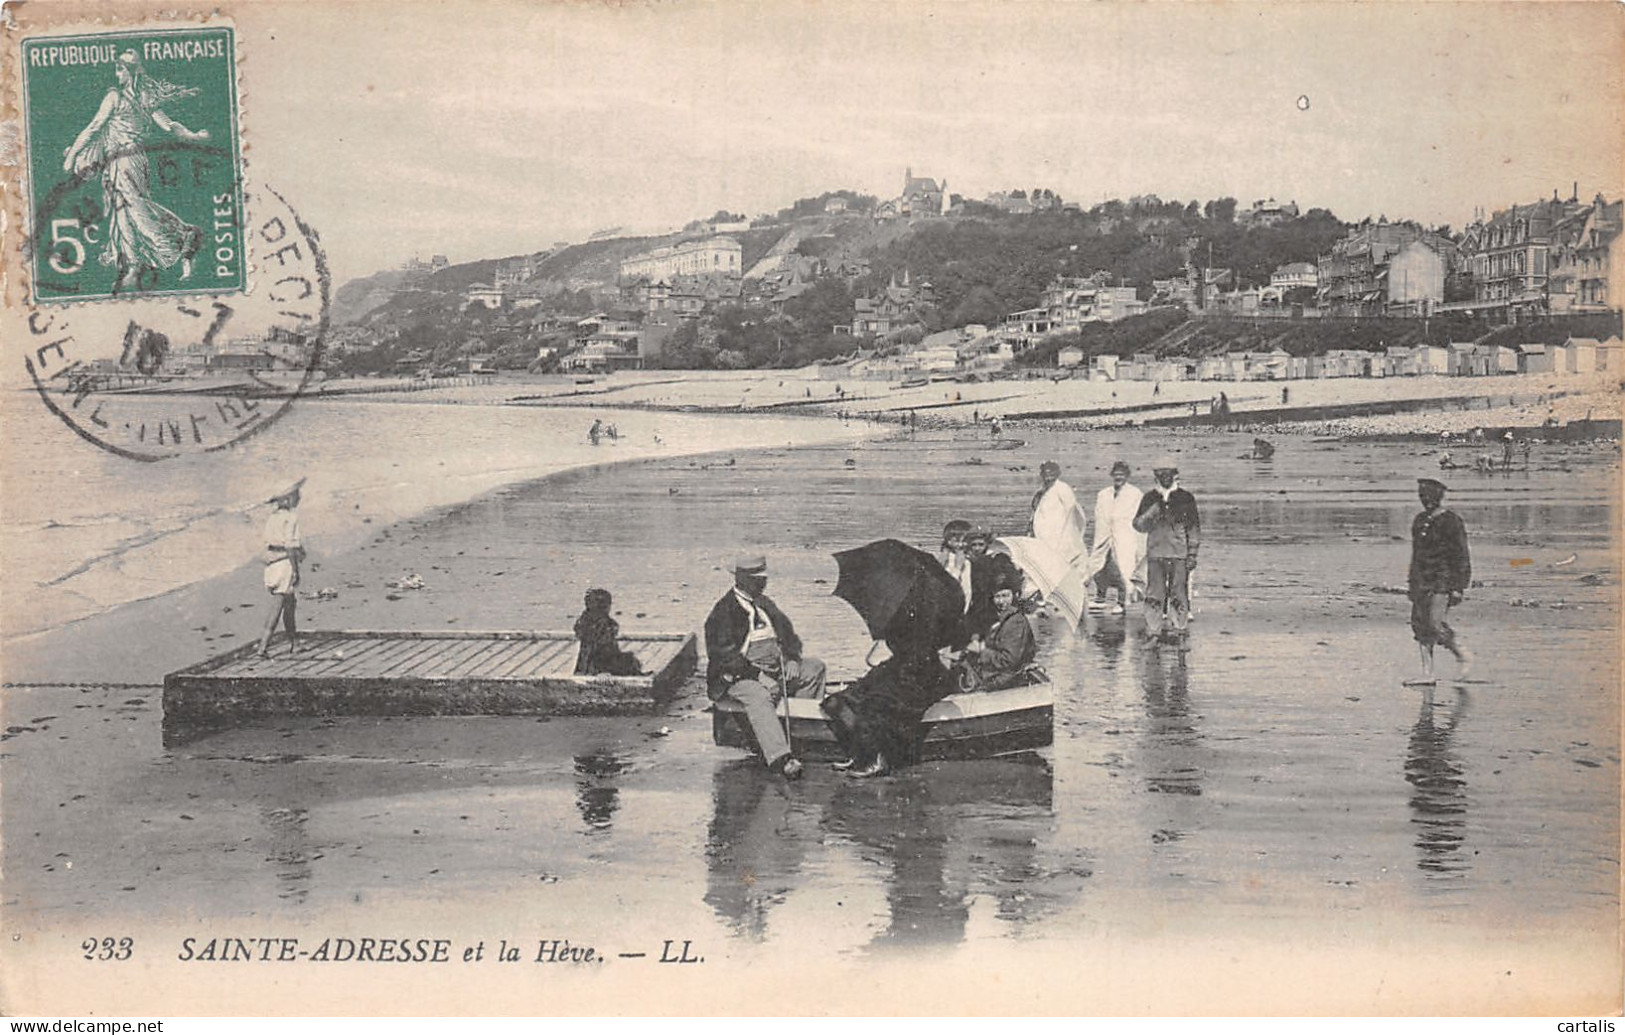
(975, 725)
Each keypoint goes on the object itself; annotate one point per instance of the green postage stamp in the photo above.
(134, 167)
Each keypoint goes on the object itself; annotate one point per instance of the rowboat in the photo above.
(422, 673)
(968, 725)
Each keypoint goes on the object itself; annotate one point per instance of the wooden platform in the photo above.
(423, 673)
(975, 725)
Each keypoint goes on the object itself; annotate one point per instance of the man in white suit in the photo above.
(1116, 541)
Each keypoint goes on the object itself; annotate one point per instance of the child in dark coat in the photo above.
(598, 633)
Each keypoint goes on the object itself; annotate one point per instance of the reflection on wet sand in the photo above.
(1171, 738)
(755, 845)
(290, 852)
(936, 836)
(1439, 790)
(597, 797)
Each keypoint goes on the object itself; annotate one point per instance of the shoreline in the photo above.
(51, 649)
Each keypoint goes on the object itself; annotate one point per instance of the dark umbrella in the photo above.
(902, 594)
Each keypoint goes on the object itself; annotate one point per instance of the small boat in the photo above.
(585, 380)
(422, 673)
(968, 725)
(914, 382)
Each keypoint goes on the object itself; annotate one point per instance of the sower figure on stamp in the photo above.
(1173, 534)
(141, 234)
(284, 554)
(1441, 571)
(754, 656)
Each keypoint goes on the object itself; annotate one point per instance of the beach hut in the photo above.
(1534, 359)
(1069, 357)
(1611, 356)
(1560, 359)
(1430, 359)
(1210, 369)
(1459, 361)
(1582, 355)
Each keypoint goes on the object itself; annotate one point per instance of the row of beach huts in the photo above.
(1459, 359)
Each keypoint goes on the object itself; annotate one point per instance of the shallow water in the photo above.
(1274, 780)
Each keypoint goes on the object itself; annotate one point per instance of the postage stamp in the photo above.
(133, 160)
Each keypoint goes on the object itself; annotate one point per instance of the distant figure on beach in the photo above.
(999, 654)
(1506, 452)
(976, 416)
(596, 431)
(601, 652)
(1156, 389)
(754, 656)
(1441, 570)
(1173, 534)
(1224, 403)
(1123, 546)
(1284, 395)
(997, 428)
(1526, 454)
(1058, 521)
(1262, 449)
(285, 553)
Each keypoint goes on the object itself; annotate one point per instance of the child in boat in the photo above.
(598, 632)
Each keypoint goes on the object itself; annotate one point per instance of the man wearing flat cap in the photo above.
(1441, 571)
(1173, 534)
(754, 656)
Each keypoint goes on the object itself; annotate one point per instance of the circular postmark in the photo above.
(151, 377)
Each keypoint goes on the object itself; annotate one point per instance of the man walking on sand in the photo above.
(1441, 571)
(1173, 534)
(754, 656)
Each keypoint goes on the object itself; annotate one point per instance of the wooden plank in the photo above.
(562, 663)
(364, 655)
(448, 658)
(399, 662)
(353, 651)
(412, 667)
(518, 662)
(483, 663)
(543, 664)
(399, 651)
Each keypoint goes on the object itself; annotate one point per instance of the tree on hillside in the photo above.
(1220, 210)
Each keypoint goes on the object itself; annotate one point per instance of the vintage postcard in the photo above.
(538, 508)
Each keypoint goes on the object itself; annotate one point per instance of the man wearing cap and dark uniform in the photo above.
(1173, 533)
(284, 554)
(754, 656)
(1441, 571)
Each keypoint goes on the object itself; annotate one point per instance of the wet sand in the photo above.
(1267, 823)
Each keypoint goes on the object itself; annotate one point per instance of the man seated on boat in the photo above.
(601, 652)
(998, 659)
(754, 656)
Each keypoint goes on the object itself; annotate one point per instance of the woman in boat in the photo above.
(877, 719)
(998, 659)
(601, 654)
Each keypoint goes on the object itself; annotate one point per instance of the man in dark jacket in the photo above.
(1441, 571)
(754, 656)
(1173, 534)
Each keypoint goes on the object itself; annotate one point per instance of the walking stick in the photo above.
(784, 699)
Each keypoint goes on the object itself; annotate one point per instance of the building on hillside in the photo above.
(1355, 279)
(1067, 303)
(1180, 291)
(1069, 357)
(835, 206)
(922, 196)
(721, 256)
(488, 295)
(1295, 275)
(1511, 255)
(1268, 212)
(1584, 277)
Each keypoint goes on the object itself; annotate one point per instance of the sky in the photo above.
(492, 129)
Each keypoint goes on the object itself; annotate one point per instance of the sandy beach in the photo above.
(1271, 813)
